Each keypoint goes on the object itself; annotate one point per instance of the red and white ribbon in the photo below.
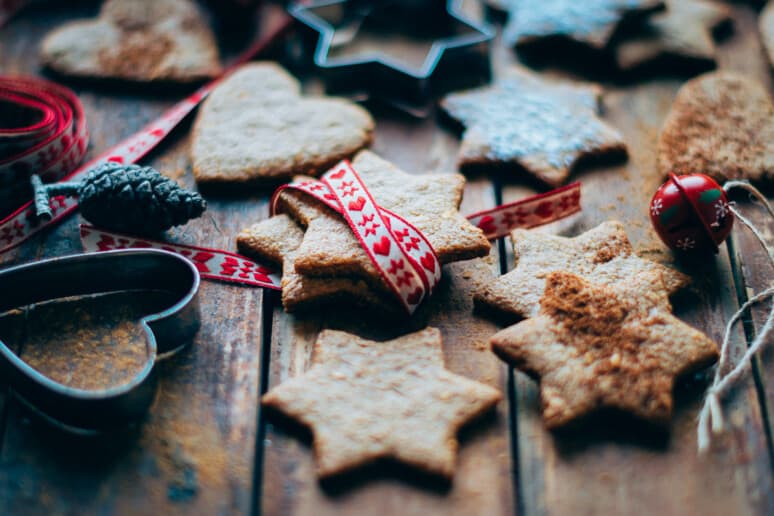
(529, 212)
(44, 132)
(21, 224)
(212, 264)
(401, 253)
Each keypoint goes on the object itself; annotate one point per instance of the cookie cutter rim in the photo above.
(482, 34)
(166, 331)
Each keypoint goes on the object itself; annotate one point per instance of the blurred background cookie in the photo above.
(137, 40)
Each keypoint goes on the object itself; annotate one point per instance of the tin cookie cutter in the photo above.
(92, 411)
(457, 55)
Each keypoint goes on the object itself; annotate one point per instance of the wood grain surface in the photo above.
(206, 447)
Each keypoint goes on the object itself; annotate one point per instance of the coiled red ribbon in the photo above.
(44, 132)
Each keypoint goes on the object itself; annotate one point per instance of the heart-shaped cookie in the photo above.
(137, 40)
(256, 126)
(721, 124)
(111, 271)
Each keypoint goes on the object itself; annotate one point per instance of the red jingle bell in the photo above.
(690, 213)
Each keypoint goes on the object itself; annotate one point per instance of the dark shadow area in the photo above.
(73, 451)
(613, 425)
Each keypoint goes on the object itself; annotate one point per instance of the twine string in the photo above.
(711, 419)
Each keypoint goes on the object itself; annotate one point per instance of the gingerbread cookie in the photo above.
(591, 23)
(139, 40)
(766, 27)
(256, 126)
(366, 400)
(544, 127)
(721, 124)
(602, 255)
(429, 202)
(276, 240)
(684, 31)
(594, 346)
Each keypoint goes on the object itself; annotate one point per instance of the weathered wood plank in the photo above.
(616, 467)
(744, 53)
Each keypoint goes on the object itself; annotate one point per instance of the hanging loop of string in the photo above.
(711, 419)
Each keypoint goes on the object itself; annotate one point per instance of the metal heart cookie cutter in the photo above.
(403, 51)
(165, 332)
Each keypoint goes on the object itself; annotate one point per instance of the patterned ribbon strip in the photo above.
(21, 224)
(529, 212)
(213, 264)
(402, 255)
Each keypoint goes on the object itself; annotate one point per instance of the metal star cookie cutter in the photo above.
(458, 60)
(92, 411)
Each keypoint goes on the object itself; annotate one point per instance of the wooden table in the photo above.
(206, 447)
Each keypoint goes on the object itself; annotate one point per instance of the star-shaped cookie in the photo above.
(366, 400)
(275, 240)
(429, 202)
(256, 126)
(137, 40)
(683, 31)
(594, 346)
(602, 255)
(720, 124)
(592, 22)
(544, 127)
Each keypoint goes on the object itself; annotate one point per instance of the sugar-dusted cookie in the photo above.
(602, 255)
(137, 40)
(599, 346)
(256, 126)
(275, 240)
(683, 31)
(721, 124)
(544, 127)
(766, 27)
(429, 202)
(591, 22)
(366, 400)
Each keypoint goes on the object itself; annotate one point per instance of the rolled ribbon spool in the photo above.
(43, 132)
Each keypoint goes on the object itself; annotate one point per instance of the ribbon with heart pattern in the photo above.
(213, 264)
(529, 212)
(400, 252)
(22, 223)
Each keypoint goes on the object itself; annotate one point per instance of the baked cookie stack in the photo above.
(323, 261)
